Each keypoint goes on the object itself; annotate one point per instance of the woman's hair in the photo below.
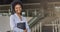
(13, 5)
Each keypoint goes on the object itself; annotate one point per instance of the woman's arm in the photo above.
(27, 26)
(13, 24)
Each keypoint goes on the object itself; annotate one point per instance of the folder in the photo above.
(21, 25)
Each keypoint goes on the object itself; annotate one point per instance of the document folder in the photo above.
(21, 25)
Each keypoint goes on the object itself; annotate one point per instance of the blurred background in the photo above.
(42, 15)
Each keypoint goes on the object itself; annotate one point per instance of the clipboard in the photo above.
(21, 25)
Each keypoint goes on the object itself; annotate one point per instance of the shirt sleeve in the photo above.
(12, 24)
(27, 26)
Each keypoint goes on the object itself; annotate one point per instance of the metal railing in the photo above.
(36, 19)
(55, 23)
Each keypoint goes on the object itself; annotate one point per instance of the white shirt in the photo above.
(14, 19)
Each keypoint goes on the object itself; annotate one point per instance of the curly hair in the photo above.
(15, 3)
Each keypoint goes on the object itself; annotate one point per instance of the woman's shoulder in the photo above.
(12, 16)
(23, 17)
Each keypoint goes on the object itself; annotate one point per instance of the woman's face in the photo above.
(18, 8)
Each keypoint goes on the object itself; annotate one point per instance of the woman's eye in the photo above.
(16, 8)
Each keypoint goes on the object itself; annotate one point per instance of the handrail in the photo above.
(35, 19)
(31, 19)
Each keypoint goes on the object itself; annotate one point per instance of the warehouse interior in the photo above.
(42, 15)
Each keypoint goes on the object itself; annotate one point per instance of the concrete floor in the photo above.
(4, 24)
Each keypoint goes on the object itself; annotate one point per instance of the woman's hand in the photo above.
(25, 30)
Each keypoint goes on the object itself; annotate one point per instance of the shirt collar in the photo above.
(17, 15)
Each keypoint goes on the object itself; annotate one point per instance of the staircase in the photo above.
(38, 25)
(44, 24)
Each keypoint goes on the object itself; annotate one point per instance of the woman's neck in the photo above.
(19, 16)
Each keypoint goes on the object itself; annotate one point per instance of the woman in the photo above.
(16, 17)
